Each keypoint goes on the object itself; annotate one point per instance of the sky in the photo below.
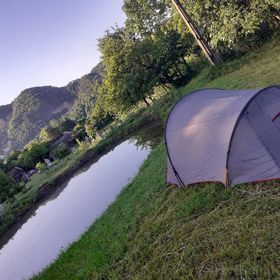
(51, 42)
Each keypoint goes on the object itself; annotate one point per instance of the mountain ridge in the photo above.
(22, 120)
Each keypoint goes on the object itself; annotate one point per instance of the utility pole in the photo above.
(211, 55)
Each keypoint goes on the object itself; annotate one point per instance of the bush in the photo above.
(40, 166)
(79, 132)
(7, 187)
(32, 153)
(61, 151)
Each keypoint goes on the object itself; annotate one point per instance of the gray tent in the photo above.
(227, 136)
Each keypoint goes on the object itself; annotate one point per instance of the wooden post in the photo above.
(212, 56)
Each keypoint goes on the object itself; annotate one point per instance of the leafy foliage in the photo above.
(12, 158)
(28, 157)
(49, 133)
(146, 17)
(79, 131)
(5, 115)
(3, 165)
(85, 90)
(134, 66)
(7, 186)
(61, 151)
(234, 23)
(40, 166)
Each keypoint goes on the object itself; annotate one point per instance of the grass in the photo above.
(154, 231)
(206, 232)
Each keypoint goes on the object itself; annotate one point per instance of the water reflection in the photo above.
(149, 137)
(69, 211)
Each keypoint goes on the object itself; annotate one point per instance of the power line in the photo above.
(43, 68)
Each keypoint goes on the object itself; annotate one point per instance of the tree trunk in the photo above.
(184, 60)
(146, 102)
(164, 88)
(178, 71)
(168, 78)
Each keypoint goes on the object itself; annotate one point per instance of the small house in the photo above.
(67, 138)
(31, 172)
(18, 175)
(48, 162)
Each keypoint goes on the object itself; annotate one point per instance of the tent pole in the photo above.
(180, 181)
(212, 56)
(227, 179)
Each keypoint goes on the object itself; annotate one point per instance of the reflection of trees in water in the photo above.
(148, 137)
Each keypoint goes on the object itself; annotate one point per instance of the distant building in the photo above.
(47, 161)
(67, 138)
(31, 172)
(18, 175)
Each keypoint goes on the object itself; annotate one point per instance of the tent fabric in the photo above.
(227, 136)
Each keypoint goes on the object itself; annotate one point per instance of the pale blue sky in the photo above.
(50, 42)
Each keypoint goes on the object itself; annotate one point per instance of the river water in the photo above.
(69, 212)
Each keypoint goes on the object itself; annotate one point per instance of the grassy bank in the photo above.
(154, 231)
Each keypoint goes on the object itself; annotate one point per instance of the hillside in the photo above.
(83, 89)
(33, 108)
(5, 115)
(22, 120)
(154, 231)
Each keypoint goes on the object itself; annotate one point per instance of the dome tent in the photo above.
(226, 136)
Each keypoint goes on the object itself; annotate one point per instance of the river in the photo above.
(69, 211)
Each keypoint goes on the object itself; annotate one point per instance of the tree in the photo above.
(134, 66)
(91, 130)
(61, 151)
(7, 187)
(12, 158)
(3, 166)
(66, 124)
(114, 47)
(231, 24)
(79, 131)
(31, 154)
(146, 17)
(56, 128)
(40, 166)
(49, 133)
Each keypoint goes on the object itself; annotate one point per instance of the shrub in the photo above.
(40, 166)
(7, 186)
(61, 151)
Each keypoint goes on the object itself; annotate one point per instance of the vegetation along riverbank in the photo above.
(43, 184)
(203, 232)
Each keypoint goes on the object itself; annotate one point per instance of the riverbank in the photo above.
(43, 185)
(79, 202)
(154, 231)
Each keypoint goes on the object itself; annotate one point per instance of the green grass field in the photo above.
(154, 231)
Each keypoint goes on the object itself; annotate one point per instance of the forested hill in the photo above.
(83, 90)
(22, 120)
(5, 115)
